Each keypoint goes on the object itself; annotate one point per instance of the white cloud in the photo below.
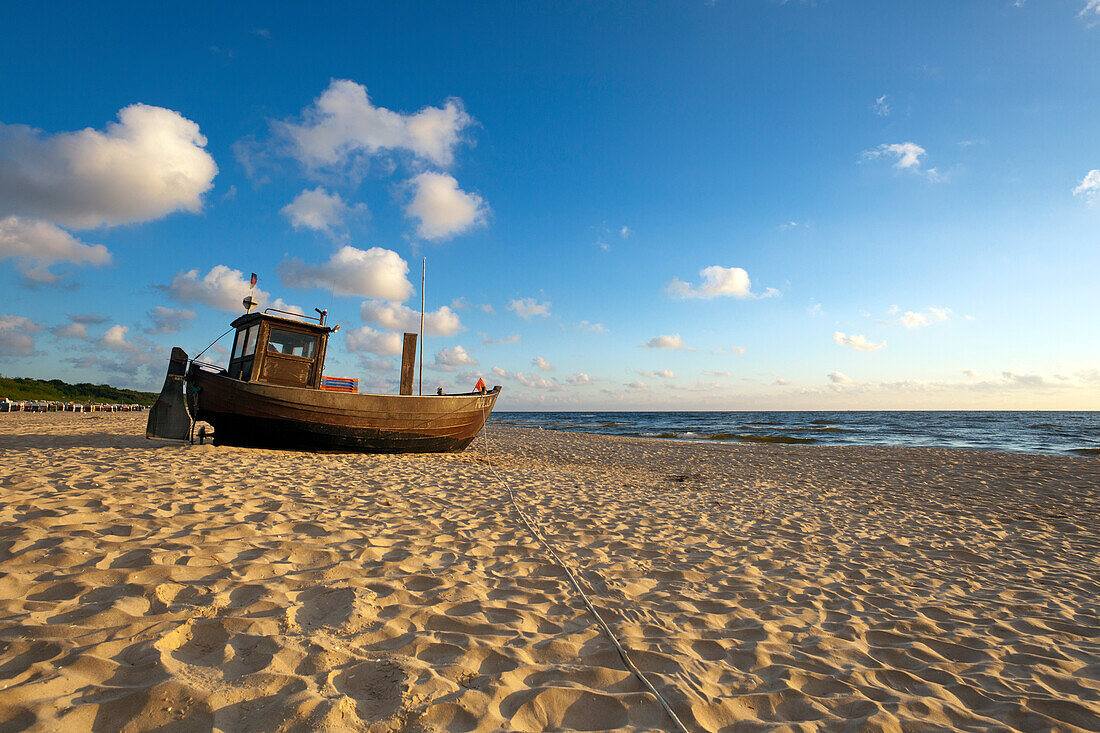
(71, 331)
(383, 368)
(881, 106)
(528, 308)
(443, 209)
(1091, 7)
(460, 303)
(36, 275)
(909, 319)
(665, 374)
(605, 232)
(1089, 188)
(939, 314)
(135, 353)
(512, 339)
(537, 382)
(638, 386)
(167, 320)
(342, 128)
(1025, 380)
(1010, 386)
(580, 379)
(858, 342)
(397, 317)
(591, 327)
(528, 380)
(77, 328)
(115, 338)
(542, 364)
(366, 339)
(667, 342)
(912, 319)
(717, 282)
(222, 288)
(320, 211)
(448, 360)
(150, 163)
(16, 335)
(39, 244)
(372, 273)
(906, 155)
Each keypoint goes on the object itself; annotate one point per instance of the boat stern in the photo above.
(169, 418)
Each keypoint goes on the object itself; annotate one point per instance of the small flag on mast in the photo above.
(480, 386)
(249, 301)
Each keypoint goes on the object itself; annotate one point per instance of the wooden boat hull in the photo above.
(270, 416)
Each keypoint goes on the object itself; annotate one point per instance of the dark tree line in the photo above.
(54, 390)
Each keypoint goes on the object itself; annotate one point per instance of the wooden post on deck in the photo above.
(408, 359)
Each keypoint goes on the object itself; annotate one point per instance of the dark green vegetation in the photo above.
(54, 390)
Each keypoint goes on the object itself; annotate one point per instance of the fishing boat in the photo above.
(273, 395)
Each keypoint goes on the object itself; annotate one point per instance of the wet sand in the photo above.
(157, 586)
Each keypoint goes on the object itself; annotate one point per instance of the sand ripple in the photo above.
(153, 586)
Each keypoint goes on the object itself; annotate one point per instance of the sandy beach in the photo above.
(158, 586)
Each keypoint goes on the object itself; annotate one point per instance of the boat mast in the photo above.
(423, 280)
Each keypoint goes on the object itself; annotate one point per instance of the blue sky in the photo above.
(725, 205)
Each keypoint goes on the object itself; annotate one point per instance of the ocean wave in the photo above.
(801, 428)
(819, 428)
(773, 439)
(727, 437)
(1053, 433)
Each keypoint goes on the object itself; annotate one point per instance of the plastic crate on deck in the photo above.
(340, 384)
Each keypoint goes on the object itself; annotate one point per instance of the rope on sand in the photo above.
(580, 591)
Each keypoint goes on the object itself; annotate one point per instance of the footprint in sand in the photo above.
(379, 688)
(343, 609)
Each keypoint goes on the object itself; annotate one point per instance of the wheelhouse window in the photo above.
(250, 345)
(246, 342)
(291, 344)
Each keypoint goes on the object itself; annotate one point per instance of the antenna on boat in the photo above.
(423, 280)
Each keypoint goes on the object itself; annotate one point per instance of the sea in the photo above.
(1069, 433)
